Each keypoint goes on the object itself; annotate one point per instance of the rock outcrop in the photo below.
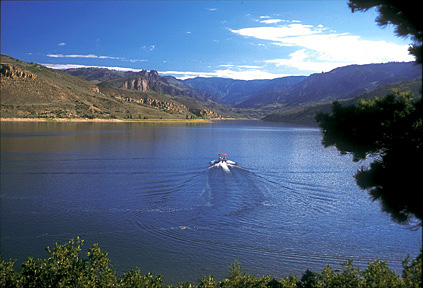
(10, 71)
(145, 81)
(171, 107)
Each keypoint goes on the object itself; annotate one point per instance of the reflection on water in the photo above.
(148, 195)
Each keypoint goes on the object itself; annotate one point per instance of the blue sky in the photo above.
(234, 39)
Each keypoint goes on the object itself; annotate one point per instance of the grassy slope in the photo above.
(305, 114)
(56, 94)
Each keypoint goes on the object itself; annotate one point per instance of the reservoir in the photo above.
(147, 194)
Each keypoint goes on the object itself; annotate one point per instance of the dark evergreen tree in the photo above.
(390, 131)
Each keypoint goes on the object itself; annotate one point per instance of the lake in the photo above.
(148, 195)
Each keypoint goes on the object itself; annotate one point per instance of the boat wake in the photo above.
(222, 164)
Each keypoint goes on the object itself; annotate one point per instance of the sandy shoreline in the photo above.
(105, 120)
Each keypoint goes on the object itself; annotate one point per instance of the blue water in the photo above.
(147, 194)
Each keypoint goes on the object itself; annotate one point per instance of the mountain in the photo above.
(33, 91)
(340, 83)
(96, 75)
(305, 113)
(143, 86)
(234, 92)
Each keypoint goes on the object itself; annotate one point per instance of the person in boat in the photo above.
(222, 158)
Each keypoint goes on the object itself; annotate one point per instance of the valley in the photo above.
(31, 90)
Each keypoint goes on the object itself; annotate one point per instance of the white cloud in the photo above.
(250, 66)
(74, 66)
(93, 56)
(319, 50)
(62, 44)
(251, 74)
(149, 47)
(137, 60)
(81, 56)
(277, 34)
(271, 21)
(301, 59)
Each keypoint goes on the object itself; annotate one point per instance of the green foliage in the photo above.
(135, 279)
(65, 268)
(378, 275)
(389, 128)
(412, 273)
(207, 282)
(309, 279)
(8, 276)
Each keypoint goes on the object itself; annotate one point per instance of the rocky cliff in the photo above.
(30, 90)
(13, 72)
(170, 106)
(145, 81)
(165, 93)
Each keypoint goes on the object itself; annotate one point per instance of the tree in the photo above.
(65, 268)
(390, 131)
(405, 15)
(412, 274)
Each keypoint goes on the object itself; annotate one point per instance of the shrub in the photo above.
(65, 268)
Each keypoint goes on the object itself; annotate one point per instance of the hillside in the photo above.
(340, 83)
(96, 75)
(146, 86)
(305, 113)
(34, 91)
(234, 92)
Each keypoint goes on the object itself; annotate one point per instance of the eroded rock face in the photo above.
(94, 89)
(144, 82)
(151, 81)
(10, 71)
(162, 105)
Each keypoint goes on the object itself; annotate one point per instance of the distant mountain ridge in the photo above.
(261, 95)
(340, 83)
(96, 75)
(234, 92)
(146, 82)
(305, 113)
(34, 91)
(142, 81)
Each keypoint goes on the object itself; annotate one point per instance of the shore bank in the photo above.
(105, 120)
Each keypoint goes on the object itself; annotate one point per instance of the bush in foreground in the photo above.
(65, 268)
